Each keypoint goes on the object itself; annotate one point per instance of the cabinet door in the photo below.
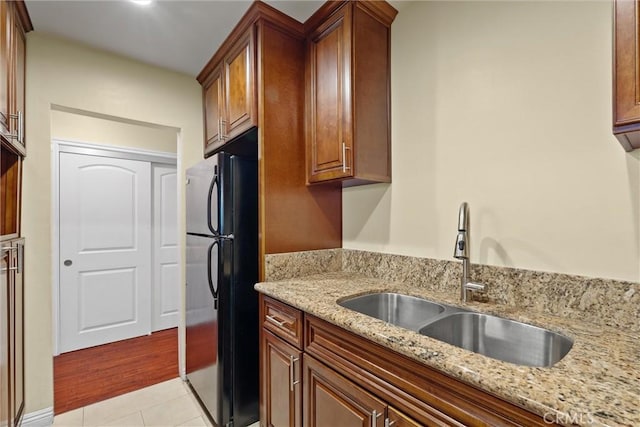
(18, 58)
(213, 111)
(281, 374)
(626, 87)
(4, 336)
(329, 118)
(240, 99)
(16, 335)
(331, 400)
(4, 68)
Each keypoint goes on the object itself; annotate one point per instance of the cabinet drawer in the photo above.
(281, 319)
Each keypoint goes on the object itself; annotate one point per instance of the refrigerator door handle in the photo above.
(215, 184)
(212, 289)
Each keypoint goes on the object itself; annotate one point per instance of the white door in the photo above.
(166, 292)
(105, 250)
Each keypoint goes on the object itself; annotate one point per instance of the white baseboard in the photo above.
(41, 418)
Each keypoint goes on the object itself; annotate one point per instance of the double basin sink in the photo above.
(491, 336)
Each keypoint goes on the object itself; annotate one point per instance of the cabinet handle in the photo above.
(280, 323)
(9, 248)
(292, 372)
(19, 258)
(223, 132)
(20, 127)
(374, 418)
(18, 136)
(2, 270)
(388, 423)
(344, 157)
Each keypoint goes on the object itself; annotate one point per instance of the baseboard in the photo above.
(41, 418)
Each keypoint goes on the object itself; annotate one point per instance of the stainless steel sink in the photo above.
(501, 339)
(401, 310)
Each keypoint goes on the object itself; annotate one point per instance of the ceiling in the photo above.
(181, 35)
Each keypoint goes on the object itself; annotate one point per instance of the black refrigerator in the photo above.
(221, 304)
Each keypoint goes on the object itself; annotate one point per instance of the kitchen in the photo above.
(504, 105)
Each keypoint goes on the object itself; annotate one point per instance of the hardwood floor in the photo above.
(93, 374)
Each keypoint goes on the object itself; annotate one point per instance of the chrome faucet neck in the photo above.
(461, 251)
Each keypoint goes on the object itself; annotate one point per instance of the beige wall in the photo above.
(81, 128)
(506, 105)
(64, 74)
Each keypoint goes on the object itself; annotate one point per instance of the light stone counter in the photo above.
(596, 384)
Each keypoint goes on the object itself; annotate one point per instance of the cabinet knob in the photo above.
(67, 262)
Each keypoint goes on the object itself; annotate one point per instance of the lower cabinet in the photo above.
(281, 373)
(324, 376)
(11, 333)
(332, 400)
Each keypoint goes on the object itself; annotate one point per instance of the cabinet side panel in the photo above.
(372, 98)
(295, 217)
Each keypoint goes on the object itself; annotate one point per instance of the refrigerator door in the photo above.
(205, 333)
(202, 195)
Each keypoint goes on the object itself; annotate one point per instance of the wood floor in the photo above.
(90, 375)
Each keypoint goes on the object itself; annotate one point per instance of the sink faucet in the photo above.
(461, 251)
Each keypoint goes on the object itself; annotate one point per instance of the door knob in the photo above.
(67, 262)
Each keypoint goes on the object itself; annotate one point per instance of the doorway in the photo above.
(117, 296)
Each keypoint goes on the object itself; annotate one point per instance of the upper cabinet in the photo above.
(14, 22)
(348, 109)
(230, 94)
(626, 74)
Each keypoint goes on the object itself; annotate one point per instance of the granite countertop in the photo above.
(596, 384)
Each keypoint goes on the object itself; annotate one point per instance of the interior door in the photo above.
(105, 250)
(166, 292)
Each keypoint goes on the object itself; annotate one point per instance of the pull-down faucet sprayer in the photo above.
(461, 251)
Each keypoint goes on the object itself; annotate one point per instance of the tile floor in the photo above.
(170, 403)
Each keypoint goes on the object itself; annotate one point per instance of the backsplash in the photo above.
(600, 301)
(297, 264)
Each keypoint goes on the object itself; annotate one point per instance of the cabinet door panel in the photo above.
(281, 391)
(16, 122)
(626, 74)
(331, 400)
(240, 88)
(329, 127)
(4, 337)
(213, 104)
(17, 332)
(4, 68)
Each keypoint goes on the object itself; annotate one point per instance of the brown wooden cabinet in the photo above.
(348, 103)
(14, 22)
(230, 94)
(626, 75)
(348, 380)
(280, 364)
(12, 333)
(282, 373)
(332, 400)
(270, 46)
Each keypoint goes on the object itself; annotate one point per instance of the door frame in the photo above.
(78, 147)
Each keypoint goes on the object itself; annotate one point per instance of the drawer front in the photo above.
(283, 320)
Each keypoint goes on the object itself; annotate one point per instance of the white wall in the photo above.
(64, 74)
(506, 105)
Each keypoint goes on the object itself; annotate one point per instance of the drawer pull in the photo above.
(292, 372)
(374, 418)
(281, 323)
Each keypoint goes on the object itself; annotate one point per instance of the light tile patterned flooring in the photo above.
(170, 403)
